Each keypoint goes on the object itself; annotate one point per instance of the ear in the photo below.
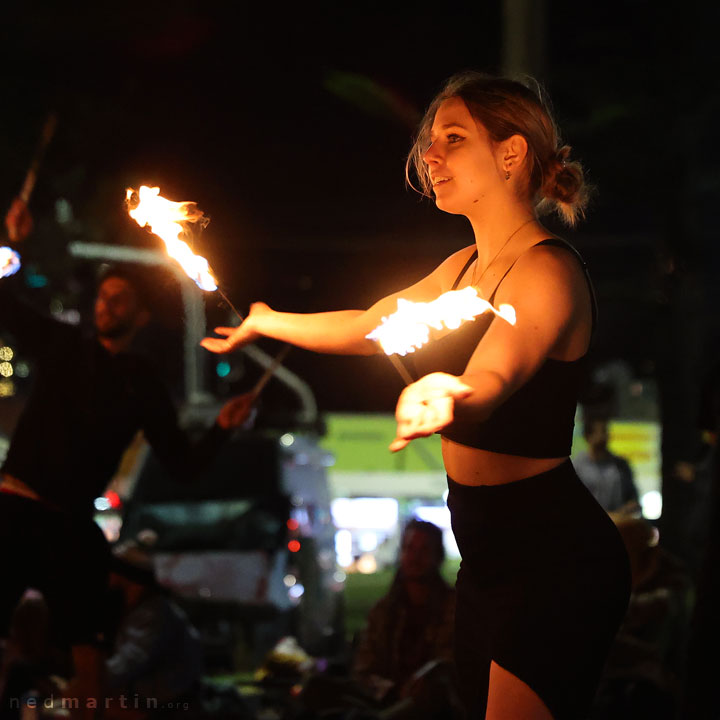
(512, 154)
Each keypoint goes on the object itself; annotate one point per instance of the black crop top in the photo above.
(537, 420)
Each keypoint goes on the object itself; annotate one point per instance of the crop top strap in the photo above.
(553, 242)
(466, 267)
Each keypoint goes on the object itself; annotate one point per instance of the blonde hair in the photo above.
(507, 107)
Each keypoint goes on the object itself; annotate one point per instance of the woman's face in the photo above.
(464, 164)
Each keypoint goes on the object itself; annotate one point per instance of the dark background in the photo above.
(290, 128)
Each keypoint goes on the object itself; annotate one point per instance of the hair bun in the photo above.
(564, 186)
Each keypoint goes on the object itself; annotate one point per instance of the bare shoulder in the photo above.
(449, 269)
(552, 266)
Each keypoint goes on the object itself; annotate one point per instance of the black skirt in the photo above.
(543, 586)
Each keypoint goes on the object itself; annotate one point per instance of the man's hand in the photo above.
(18, 221)
(427, 406)
(236, 411)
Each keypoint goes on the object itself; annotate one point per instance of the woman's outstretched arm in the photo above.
(342, 332)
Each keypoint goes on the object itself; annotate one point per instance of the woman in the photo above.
(544, 581)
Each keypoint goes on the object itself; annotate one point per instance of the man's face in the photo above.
(418, 556)
(597, 438)
(117, 310)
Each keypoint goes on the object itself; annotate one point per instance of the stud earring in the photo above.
(507, 174)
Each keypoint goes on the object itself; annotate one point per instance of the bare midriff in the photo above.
(472, 466)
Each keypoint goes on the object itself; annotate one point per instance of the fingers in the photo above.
(215, 345)
(398, 444)
(226, 331)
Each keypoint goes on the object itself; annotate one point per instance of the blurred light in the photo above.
(56, 307)
(651, 503)
(6, 353)
(102, 503)
(343, 548)
(327, 460)
(436, 514)
(9, 262)
(22, 369)
(287, 439)
(63, 211)
(367, 564)
(294, 546)
(365, 513)
(35, 280)
(289, 580)
(222, 368)
(292, 524)
(368, 541)
(339, 576)
(7, 388)
(71, 317)
(6, 369)
(296, 591)
(113, 498)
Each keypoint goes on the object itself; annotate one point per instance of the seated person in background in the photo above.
(155, 657)
(608, 477)
(29, 664)
(411, 626)
(642, 674)
(402, 667)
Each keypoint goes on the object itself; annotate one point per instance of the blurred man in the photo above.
(608, 477)
(90, 398)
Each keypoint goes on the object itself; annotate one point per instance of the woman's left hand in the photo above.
(427, 406)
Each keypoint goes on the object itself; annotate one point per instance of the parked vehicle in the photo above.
(248, 547)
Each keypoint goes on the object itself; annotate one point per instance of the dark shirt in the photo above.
(85, 407)
(609, 479)
(537, 420)
(399, 639)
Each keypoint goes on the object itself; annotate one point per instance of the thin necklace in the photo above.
(495, 257)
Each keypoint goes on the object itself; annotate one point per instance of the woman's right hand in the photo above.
(236, 337)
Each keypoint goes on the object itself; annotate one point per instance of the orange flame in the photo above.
(408, 328)
(169, 220)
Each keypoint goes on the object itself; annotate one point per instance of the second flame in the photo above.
(408, 328)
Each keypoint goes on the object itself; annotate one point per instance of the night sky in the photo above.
(290, 129)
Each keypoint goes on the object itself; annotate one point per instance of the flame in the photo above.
(408, 329)
(9, 262)
(169, 220)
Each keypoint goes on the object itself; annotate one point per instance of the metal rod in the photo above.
(45, 137)
(402, 370)
(270, 370)
(232, 307)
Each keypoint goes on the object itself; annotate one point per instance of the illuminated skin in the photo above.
(546, 287)
(118, 314)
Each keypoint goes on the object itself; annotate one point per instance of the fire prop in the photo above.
(408, 328)
(9, 262)
(169, 220)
